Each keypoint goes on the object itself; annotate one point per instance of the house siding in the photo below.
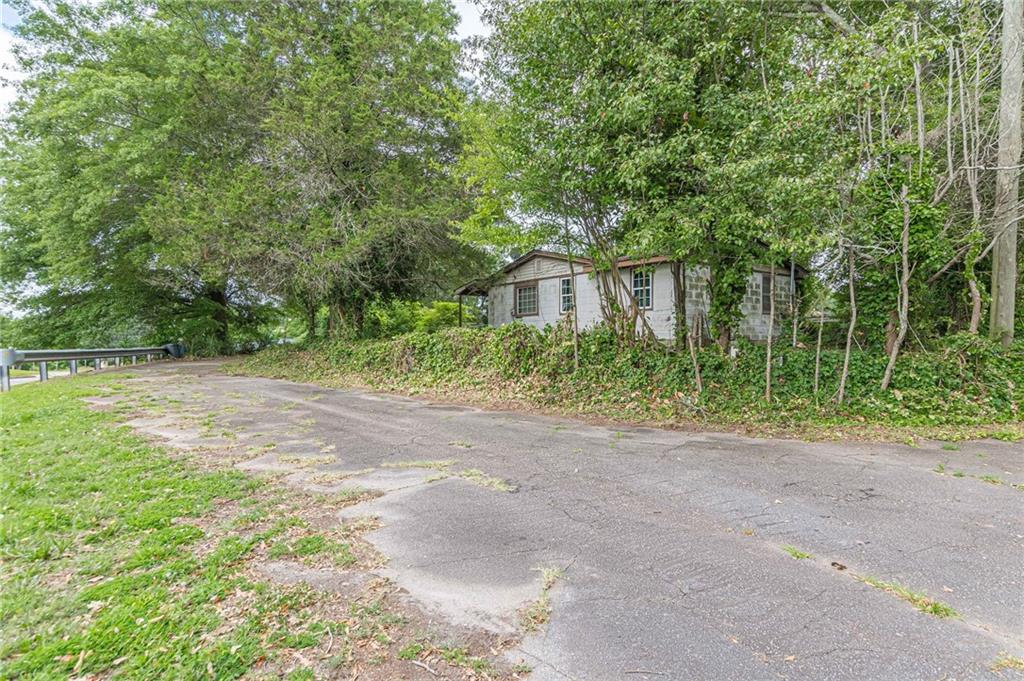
(547, 273)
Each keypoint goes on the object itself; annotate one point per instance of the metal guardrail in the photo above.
(9, 358)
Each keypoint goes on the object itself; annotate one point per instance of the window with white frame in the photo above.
(643, 288)
(565, 294)
(526, 299)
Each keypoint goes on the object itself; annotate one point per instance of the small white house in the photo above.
(535, 289)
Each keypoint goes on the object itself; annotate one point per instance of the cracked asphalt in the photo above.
(671, 545)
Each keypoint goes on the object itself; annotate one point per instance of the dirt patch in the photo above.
(344, 582)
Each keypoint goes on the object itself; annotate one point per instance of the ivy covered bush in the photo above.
(966, 381)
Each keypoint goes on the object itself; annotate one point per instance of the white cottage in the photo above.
(535, 289)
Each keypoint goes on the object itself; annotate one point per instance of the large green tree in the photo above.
(188, 166)
(642, 124)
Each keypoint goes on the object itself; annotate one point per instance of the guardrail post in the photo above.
(135, 360)
(73, 367)
(117, 361)
(44, 375)
(149, 357)
(7, 359)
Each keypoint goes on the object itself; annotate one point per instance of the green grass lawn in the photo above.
(120, 559)
(96, 542)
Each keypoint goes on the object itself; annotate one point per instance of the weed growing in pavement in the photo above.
(796, 553)
(1010, 662)
(440, 464)
(478, 477)
(300, 461)
(538, 612)
(918, 600)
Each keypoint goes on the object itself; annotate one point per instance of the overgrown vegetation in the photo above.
(968, 382)
(234, 173)
(1008, 662)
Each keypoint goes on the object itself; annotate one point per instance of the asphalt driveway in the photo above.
(673, 555)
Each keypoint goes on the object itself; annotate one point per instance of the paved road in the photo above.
(22, 380)
(671, 545)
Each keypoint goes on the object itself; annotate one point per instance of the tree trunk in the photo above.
(1005, 215)
(724, 333)
(771, 336)
(919, 106)
(681, 330)
(335, 320)
(794, 308)
(358, 316)
(216, 295)
(572, 290)
(696, 363)
(904, 294)
(310, 320)
(817, 354)
(975, 306)
(724, 339)
(849, 329)
(892, 325)
(679, 294)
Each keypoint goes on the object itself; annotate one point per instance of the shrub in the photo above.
(397, 317)
(966, 381)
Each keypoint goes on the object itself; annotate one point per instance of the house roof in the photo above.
(626, 261)
(538, 253)
(478, 287)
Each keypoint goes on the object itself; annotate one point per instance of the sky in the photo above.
(8, 18)
(470, 25)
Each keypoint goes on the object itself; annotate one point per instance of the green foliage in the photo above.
(730, 133)
(196, 174)
(965, 381)
(183, 174)
(650, 130)
(396, 317)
